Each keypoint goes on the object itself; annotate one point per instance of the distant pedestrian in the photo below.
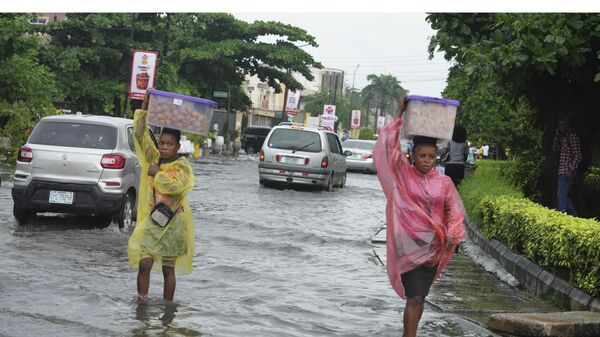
(345, 135)
(424, 216)
(567, 145)
(485, 151)
(164, 234)
(458, 151)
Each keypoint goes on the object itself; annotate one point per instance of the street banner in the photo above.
(293, 101)
(380, 122)
(355, 122)
(143, 73)
(329, 110)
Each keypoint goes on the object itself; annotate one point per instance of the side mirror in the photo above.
(347, 153)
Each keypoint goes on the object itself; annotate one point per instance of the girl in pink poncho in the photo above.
(424, 217)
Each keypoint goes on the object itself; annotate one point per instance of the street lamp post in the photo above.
(352, 97)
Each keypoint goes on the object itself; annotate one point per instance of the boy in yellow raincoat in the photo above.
(166, 178)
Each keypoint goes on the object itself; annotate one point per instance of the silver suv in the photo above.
(81, 164)
(302, 154)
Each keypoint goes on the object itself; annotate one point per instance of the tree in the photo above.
(386, 91)
(315, 102)
(198, 54)
(550, 60)
(26, 86)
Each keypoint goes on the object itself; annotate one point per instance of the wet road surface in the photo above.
(269, 262)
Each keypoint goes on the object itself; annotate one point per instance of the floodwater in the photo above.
(269, 262)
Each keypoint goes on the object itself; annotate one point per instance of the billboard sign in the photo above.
(355, 121)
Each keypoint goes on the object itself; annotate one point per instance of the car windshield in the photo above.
(353, 144)
(74, 135)
(292, 139)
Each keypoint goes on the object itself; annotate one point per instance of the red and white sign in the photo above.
(355, 122)
(293, 101)
(143, 73)
(329, 110)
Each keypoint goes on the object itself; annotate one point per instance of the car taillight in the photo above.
(367, 156)
(25, 154)
(113, 161)
(277, 157)
(324, 162)
(261, 156)
(306, 160)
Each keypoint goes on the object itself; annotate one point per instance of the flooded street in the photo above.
(268, 262)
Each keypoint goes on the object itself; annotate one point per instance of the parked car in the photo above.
(362, 155)
(302, 154)
(80, 164)
(253, 138)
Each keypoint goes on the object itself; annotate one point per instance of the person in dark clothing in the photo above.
(457, 155)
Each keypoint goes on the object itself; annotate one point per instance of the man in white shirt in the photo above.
(486, 151)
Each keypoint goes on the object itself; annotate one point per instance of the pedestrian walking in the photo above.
(458, 151)
(164, 234)
(568, 148)
(424, 217)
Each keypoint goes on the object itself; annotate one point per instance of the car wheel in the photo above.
(22, 215)
(125, 216)
(343, 184)
(329, 187)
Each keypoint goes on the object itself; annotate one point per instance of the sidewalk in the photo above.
(467, 289)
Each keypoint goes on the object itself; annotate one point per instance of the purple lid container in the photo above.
(184, 97)
(442, 101)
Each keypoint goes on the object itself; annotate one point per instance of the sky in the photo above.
(371, 43)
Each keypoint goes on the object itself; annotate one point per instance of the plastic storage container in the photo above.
(429, 116)
(185, 113)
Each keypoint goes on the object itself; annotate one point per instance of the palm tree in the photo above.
(384, 91)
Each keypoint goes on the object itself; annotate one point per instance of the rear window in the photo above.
(258, 131)
(292, 139)
(74, 135)
(358, 145)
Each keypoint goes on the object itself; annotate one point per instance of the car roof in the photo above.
(89, 119)
(360, 140)
(304, 127)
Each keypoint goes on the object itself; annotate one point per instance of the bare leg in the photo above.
(143, 278)
(412, 315)
(169, 275)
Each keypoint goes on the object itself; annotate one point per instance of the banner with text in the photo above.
(355, 122)
(293, 102)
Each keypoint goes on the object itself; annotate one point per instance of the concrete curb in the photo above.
(556, 324)
(533, 278)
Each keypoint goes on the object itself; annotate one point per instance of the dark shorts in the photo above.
(417, 282)
(455, 171)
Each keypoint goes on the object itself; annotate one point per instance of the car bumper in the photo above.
(292, 175)
(87, 199)
(361, 165)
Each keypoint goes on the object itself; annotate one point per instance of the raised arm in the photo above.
(144, 146)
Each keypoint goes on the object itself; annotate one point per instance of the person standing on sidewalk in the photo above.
(166, 179)
(566, 144)
(458, 150)
(424, 216)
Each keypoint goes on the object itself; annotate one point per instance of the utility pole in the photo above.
(352, 97)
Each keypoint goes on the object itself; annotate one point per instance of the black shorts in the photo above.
(417, 282)
(455, 171)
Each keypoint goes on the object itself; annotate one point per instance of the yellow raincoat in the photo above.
(172, 183)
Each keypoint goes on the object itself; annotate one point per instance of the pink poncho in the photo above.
(423, 211)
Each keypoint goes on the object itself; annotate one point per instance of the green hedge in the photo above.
(565, 245)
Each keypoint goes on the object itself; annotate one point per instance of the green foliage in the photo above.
(486, 180)
(517, 73)
(524, 170)
(366, 134)
(566, 245)
(315, 102)
(383, 92)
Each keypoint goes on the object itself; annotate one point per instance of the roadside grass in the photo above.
(486, 180)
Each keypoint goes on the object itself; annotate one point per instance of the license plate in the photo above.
(61, 197)
(290, 160)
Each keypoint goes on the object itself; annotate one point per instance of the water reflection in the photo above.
(158, 318)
